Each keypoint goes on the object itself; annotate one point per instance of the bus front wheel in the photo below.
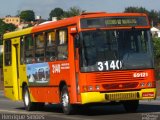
(65, 101)
(131, 105)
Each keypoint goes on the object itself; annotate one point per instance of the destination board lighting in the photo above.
(130, 21)
(114, 22)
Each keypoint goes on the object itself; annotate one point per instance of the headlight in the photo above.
(90, 88)
(97, 87)
(149, 84)
(142, 84)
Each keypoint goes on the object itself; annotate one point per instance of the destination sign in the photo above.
(121, 21)
(114, 22)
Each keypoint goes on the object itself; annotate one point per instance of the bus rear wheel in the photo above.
(65, 101)
(29, 106)
(131, 105)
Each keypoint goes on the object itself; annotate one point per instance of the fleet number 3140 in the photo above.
(109, 65)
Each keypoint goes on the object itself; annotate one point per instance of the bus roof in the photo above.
(102, 14)
(18, 33)
(56, 24)
(76, 19)
(65, 22)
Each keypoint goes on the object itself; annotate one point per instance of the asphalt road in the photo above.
(13, 110)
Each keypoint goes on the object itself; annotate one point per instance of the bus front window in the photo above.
(104, 50)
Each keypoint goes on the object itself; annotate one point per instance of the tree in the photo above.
(6, 27)
(27, 15)
(2, 30)
(156, 46)
(57, 12)
(73, 11)
(136, 10)
(9, 27)
(154, 16)
(60, 13)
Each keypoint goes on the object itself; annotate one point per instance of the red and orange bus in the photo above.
(92, 58)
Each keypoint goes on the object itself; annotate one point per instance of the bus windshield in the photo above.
(104, 50)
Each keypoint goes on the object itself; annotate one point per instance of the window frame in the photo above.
(8, 52)
(53, 47)
(37, 49)
(63, 45)
(32, 50)
(22, 50)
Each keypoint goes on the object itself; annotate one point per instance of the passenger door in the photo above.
(11, 69)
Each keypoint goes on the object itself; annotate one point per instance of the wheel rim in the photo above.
(65, 100)
(26, 98)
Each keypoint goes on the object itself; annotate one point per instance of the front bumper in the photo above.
(95, 97)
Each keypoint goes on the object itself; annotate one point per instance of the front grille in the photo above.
(120, 85)
(115, 76)
(122, 96)
(115, 80)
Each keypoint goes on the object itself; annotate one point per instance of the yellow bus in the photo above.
(92, 58)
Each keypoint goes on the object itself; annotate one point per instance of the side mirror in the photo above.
(77, 41)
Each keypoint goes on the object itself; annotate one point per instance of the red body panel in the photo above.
(69, 69)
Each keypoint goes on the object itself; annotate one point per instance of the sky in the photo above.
(44, 7)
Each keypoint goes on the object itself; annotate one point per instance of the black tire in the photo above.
(40, 105)
(29, 106)
(131, 106)
(65, 101)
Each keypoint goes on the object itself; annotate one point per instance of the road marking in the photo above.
(11, 111)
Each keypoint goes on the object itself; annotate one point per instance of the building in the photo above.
(155, 32)
(11, 19)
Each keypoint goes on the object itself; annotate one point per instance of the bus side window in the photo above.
(40, 45)
(51, 46)
(29, 49)
(7, 53)
(62, 47)
(21, 50)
